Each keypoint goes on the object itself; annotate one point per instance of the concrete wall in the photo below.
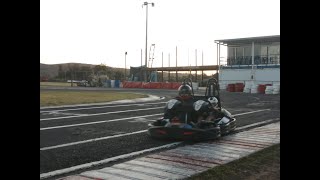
(264, 76)
(268, 74)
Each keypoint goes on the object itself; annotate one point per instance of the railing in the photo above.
(273, 59)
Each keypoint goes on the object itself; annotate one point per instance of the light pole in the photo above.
(146, 4)
(125, 65)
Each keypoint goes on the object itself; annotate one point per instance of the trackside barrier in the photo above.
(132, 84)
(151, 85)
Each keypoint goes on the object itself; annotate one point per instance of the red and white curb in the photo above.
(186, 161)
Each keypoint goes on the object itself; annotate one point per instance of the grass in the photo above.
(263, 165)
(56, 98)
(58, 84)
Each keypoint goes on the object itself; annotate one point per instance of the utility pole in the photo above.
(141, 67)
(169, 66)
(176, 63)
(125, 65)
(196, 65)
(162, 65)
(146, 4)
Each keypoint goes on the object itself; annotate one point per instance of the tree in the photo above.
(100, 69)
(118, 74)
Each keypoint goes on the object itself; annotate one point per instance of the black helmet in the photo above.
(184, 90)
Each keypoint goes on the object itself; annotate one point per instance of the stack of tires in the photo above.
(254, 89)
(276, 89)
(269, 90)
(239, 87)
(231, 87)
(247, 87)
(261, 88)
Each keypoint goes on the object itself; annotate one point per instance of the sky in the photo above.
(101, 31)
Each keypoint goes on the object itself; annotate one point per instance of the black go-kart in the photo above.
(183, 126)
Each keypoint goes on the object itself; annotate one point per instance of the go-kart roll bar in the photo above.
(212, 91)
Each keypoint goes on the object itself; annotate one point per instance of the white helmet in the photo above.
(213, 101)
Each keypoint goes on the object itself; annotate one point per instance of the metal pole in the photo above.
(176, 63)
(202, 58)
(196, 65)
(196, 56)
(125, 65)
(162, 65)
(141, 67)
(146, 4)
(267, 55)
(242, 56)
(145, 72)
(169, 66)
(217, 56)
(202, 70)
(252, 54)
(162, 58)
(252, 61)
(219, 65)
(188, 56)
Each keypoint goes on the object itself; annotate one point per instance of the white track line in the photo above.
(91, 140)
(97, 122)
(85, 115)
(120, 135)
(251, 112)
(121, 119)
(75, 109)
(92, 164)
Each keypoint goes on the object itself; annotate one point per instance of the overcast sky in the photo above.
(101, 31)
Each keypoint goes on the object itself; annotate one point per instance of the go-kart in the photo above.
(182, 128)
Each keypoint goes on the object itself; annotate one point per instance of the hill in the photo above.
(51, 70)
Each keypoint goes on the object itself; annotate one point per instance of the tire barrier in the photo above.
(247, 87)
(231, 87)
(117, 83)
(276, 89)
(132, 84)
(269, 90)
(250, 87)
(113, 83)
(254, 89)
(238, 87)
(152, 85)
(261, 88)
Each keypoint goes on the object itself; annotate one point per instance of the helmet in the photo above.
(184, 90)
(213, 101)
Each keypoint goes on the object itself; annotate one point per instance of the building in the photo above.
(252, 59)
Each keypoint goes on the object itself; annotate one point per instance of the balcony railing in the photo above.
(273, 59)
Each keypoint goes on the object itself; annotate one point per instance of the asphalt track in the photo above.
(76, 135)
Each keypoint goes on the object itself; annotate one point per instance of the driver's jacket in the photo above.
(184, 110)
(181, 109)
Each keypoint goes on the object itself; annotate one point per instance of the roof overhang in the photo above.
(248, 40)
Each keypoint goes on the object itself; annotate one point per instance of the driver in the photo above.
(212, 111)
(180, 108)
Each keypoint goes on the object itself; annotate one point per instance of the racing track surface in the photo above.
(74, 136)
